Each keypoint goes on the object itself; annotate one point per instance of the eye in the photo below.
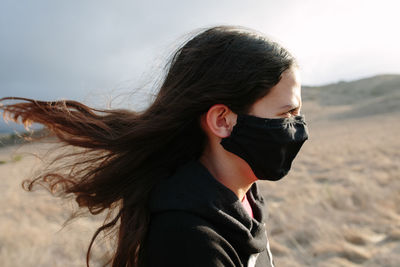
(292, 112)
(295, 111)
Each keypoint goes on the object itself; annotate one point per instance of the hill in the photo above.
(365, 97)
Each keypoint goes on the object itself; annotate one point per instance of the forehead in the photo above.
(287, 91)
(284, 95)
(288, 87)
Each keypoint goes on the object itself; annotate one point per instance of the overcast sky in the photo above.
(70, 49)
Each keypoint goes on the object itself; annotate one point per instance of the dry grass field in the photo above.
(31, 232)
(338, 207)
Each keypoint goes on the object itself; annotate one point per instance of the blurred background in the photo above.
(339, 206)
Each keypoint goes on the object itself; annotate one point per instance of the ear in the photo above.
(219, 120)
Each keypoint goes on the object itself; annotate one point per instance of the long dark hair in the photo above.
(125, 153)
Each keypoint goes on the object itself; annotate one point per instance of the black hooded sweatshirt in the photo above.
(198, 222)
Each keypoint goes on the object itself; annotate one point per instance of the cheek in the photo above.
(268, 113)
(264, 110)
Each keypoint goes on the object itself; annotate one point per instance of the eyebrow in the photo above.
(289, 106)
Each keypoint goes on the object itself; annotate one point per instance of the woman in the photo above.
(181, 175)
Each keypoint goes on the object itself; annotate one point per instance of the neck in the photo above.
(229, 172)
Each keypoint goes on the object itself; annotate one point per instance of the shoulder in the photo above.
(177, 238)
(179, 225)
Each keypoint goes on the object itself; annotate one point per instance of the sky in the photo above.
(51, 49)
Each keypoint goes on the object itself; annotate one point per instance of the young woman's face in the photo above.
(283, 100)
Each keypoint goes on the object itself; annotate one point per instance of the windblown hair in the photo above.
(126, 153)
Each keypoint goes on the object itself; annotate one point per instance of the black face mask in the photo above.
(267, 145)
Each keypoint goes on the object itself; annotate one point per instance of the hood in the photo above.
(193, 189)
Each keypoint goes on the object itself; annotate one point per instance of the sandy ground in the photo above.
(31, 232)
(339, 206)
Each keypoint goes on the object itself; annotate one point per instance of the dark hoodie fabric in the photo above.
(197, 221)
